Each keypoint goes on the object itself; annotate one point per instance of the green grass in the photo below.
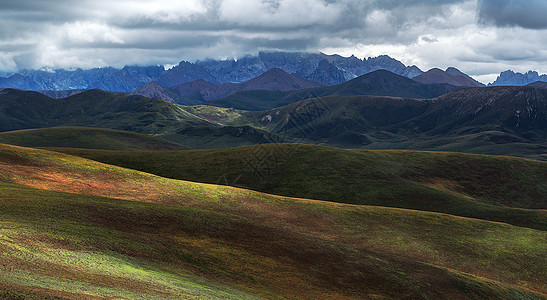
(88, 138)
(493, 188)
(141, 235)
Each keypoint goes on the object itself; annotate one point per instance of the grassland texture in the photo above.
(496, 188)
(87, 138)
(71, 227)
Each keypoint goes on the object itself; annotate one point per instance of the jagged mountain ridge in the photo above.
(310, 66)
(111, 79)
(518, 79)
(305, 65)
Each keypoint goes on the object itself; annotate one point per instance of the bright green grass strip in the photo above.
(110, 264)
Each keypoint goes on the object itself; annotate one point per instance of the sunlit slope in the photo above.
(496, 188)
(88, 138)
(157, 237)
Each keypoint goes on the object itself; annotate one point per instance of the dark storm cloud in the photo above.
(527, 14)
(91, 33)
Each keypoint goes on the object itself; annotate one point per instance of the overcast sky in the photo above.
(480, 37)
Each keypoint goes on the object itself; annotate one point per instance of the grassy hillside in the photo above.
(134, 113)
(88, 138)
(498, 120)
(73, 227)
(501, 189)
(473, 120)
(92, 108)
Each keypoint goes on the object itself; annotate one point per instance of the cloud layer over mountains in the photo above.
(481, 37)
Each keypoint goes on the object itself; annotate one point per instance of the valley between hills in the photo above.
(276, 187)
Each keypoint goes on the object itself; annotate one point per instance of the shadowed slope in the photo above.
(177, 239)
(502, 189)
(88, 138)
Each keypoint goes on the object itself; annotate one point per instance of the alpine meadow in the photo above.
(283, 149)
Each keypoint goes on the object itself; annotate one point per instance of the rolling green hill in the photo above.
(495, 120)
(499, 120)
(88, 138)
(76, 228)
(92, 108)
(100, 109)
(504, 189)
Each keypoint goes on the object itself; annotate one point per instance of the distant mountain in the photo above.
(197, 91)
(380, 82)
(327, 73)
(154, 89)
(110, 79)
(541, 84)
(518, 79)
(185, 72)
(192, 87)
(312, 66)
(60, 94)
(276, 79)
(451, 76)
(328, 69)
(455, 72)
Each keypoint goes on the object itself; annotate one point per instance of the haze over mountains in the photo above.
(511, 78)
(329, 69)
(318, 67)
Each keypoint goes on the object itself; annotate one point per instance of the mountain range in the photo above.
(493, 120)
(318, 67)
(380, 82)
(328, 69)
(518, 79)
(197, 91)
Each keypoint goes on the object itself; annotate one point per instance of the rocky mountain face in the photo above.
(327, 69)
(110, 79)
(327, 73)
(451, 76)
(276, 79)
(518, 79)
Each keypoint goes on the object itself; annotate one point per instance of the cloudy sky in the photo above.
(480, 37)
